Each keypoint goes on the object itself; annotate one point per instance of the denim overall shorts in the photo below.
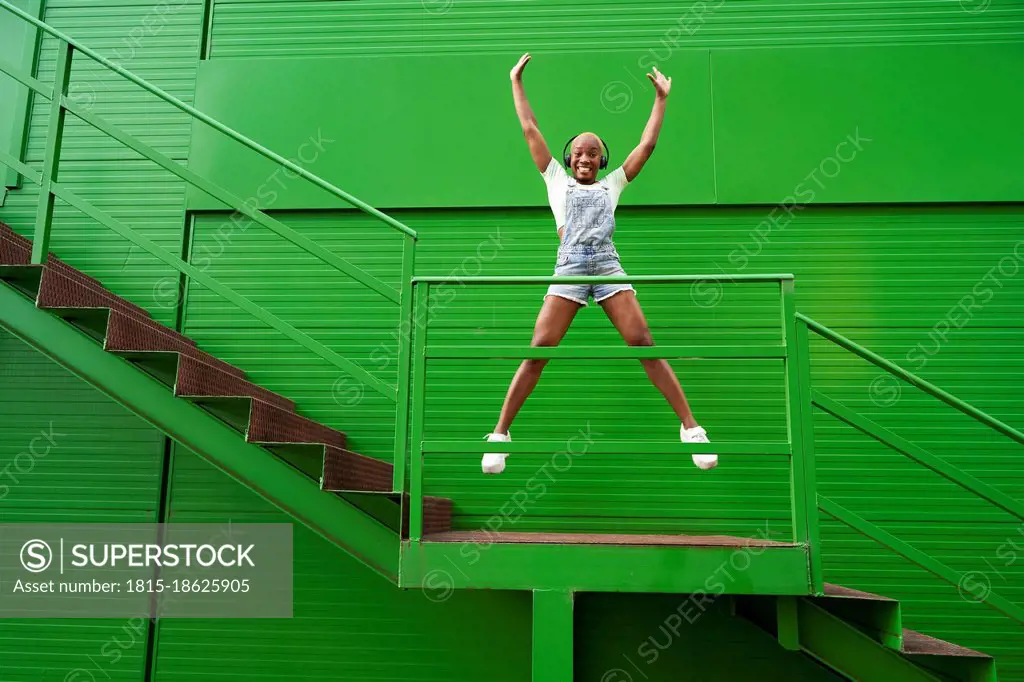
(586, 247)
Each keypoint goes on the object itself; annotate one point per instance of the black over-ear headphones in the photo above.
(567, 158)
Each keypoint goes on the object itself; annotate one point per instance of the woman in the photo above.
(584, 209)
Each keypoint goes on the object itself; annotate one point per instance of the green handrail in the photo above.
(602, 279)
(913, 379)
(948, 471)
(51, 188)
(210, 121)
(792, 351)
(925, 561)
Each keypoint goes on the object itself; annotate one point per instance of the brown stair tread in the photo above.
(601, 539)
(918, 644)
(349, 471)
(197, 379)
(270, 424)
(840, 591)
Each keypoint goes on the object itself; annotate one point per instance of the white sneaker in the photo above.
(494, 462)
(698, 435)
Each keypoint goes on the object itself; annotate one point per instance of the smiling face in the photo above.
(585, 158)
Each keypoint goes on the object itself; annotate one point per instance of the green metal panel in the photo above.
(362, 147)
(67, 447)
(737, 130)
(656, 34)
(880, 123)
(70, 454)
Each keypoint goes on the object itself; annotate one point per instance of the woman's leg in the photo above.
(625, 313)
(553, 320)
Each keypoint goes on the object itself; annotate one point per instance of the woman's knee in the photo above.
(639, 337)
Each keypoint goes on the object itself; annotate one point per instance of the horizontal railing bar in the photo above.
(911, 553)
(605, 352)
(29, 172)
(26, 79)
(913, 379)
(230, 294)
(598, 279)
(221, 194)
(583, 443)
(919, 455)
(212, 122)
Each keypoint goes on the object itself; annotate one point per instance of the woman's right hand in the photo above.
(516, 74)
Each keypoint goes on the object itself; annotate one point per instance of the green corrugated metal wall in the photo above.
(668, 638)
(884, 276)
(246, 28)
(349, 623)
(68, 454)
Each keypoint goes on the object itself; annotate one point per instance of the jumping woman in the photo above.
(584, 209)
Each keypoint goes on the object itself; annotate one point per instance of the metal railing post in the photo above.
(419, 382)
(51, 160)
(405, 330)
(803, 496)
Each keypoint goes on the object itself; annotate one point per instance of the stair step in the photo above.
(14, 249)
(840, 591)
(59, 289)
(24, 278)
(269, 424)
(306, 457)
(133, 336)
(264, 417)
(948, 660)
(347, 471)
(602, 539)
(876, 616)
(62, 286)
(437, 517)
(196, 379)
(919, 644)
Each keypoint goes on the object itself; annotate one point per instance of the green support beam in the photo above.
(849, 651)
(552, 636)
(780, 569)
(329, 516)
(787, 622)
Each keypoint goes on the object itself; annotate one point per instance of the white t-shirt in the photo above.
(557, 180)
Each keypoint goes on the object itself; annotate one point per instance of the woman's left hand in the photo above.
(661, 84)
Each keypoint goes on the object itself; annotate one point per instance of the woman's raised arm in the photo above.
(538, 147)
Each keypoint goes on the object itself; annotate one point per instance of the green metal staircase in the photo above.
(379, 513)
(304, 468)
(861, 636)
